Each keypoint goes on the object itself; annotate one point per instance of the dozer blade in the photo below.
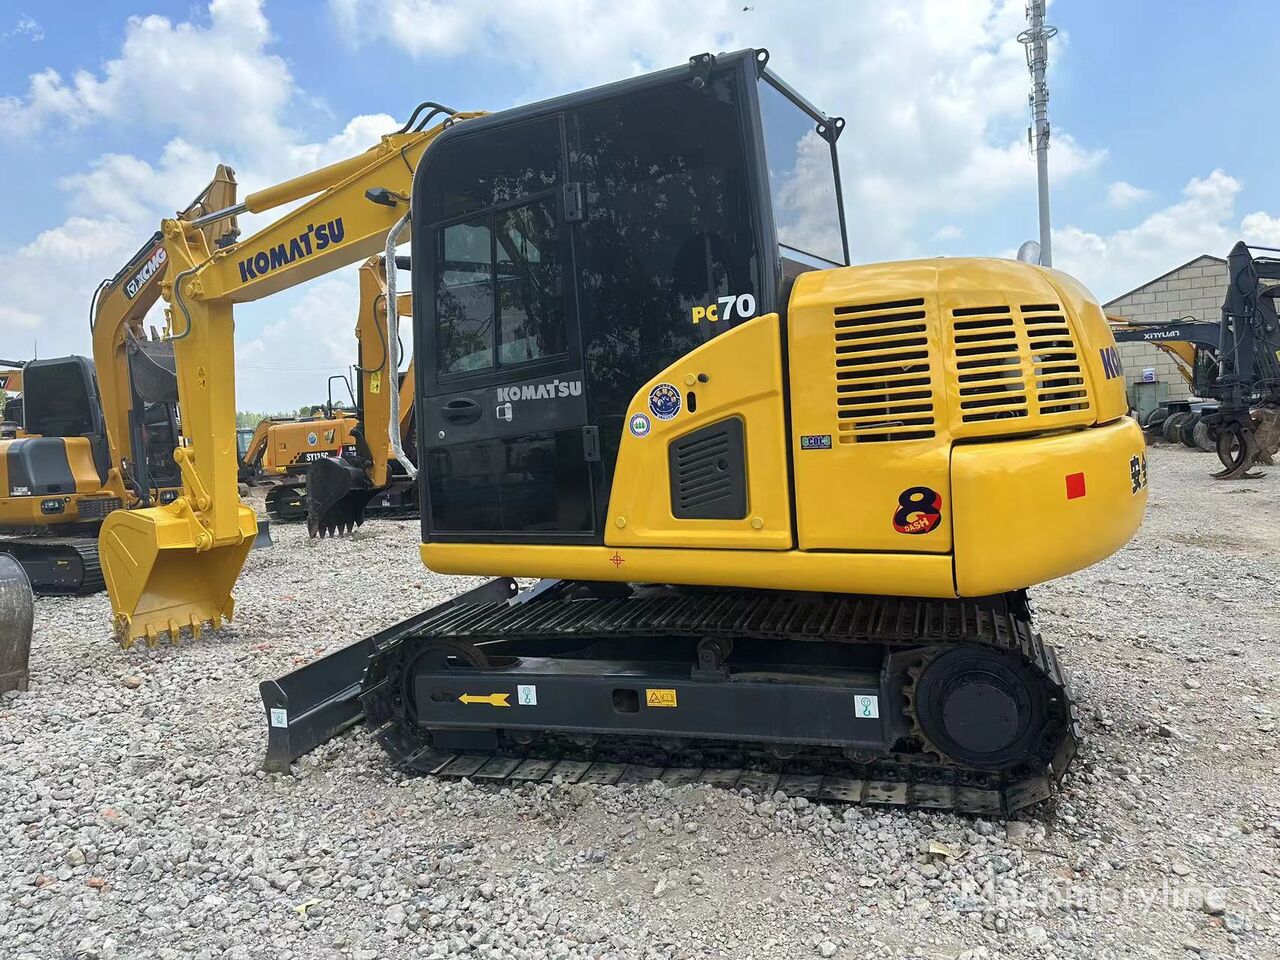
(337, 495)
(16, 615)
(161, 579)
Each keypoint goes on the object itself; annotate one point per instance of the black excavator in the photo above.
(1245, 428)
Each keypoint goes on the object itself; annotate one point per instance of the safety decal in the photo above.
(639, 425)
(19, 491)
(664, 401)
(1137, 473)
(660, 698)
(330, 436)
(527, 694)
(279, 717)
(919, 510)
(375, 382)
(312, 439)
(815, 441)
(866, 706)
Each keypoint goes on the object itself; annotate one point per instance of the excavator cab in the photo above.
(566, 252)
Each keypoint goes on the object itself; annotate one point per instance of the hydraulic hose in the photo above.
(393, 349)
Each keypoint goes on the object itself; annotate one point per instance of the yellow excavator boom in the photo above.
(120, 306)
(173, 567)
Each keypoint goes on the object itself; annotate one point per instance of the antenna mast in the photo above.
(1036, 39)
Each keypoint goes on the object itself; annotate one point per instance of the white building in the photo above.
(1191, 291)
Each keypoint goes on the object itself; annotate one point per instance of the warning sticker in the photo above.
(867, 706)
(527, 694)
(660, 698)
(279, 717)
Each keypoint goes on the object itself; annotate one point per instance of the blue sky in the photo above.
(113, 114)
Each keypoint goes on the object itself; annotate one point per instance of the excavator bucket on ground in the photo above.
(164, 572)
(17, 611)
(337, 495)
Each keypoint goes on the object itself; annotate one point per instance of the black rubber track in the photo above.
(912, 779)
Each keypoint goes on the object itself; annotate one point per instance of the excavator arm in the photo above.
(172, 568)
(120, 305)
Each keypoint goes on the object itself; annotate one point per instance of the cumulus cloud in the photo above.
(934, 92)
(1122, 195)
(185, 62)
(1202, 221)
(117, 200)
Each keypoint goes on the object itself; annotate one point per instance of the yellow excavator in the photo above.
(11, 398)
(97, 436)
(784, 510)
(280, 451)
(372, 474)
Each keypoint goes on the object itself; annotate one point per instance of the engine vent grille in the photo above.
(1059, 381)
(988, 364)
(1012, 364)
(884, 372)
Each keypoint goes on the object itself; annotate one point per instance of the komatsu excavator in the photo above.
(784, 510)
(369, 475)
(97, 435)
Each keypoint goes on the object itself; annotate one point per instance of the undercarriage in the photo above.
(944, 704)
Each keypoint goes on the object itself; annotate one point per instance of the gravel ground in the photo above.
(135, 822)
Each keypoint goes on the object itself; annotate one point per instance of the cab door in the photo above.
(504, 433)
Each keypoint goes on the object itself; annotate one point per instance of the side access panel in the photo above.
(868, 415)
(703, 460)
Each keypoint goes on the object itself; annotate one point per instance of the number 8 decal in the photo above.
(919, 510)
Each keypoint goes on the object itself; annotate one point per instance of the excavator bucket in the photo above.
(337, 495)
(16, 615)
(162, 578)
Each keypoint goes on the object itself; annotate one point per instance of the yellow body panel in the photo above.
(25, 511)
(743, 377)
(1015, 520)
(847, 494)
(288, 443)
(907, 574)
(980, 381)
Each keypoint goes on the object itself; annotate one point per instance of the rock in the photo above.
(75, 857)
(133, 682)
(1036, 936)
(826, 949)
(1214, 902)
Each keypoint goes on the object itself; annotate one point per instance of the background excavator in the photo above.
(370, 476)
(785, 510)
(11, 398)
(280, 450)
(1246, 425)
(1235, 362)
(98, 435)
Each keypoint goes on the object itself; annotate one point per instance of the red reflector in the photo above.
(1075, 486)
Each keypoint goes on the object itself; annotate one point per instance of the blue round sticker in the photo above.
(664, 401)
(312, 439)
(639, 425)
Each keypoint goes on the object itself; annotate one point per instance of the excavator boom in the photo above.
(172, 567)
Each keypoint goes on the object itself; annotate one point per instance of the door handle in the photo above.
(461, 410)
